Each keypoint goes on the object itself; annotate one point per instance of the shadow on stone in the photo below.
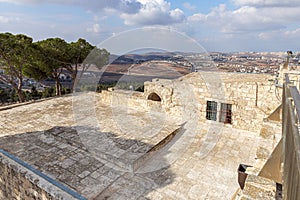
(101, 170)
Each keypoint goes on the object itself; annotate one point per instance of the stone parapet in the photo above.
(19, 180)
(256, 188)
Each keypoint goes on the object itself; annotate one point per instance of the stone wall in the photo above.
(252, 99)
(252, 102)
(131, 99)
(256, 188)
(18, 182)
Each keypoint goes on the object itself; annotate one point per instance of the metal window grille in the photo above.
(211, 110)
(226, 113)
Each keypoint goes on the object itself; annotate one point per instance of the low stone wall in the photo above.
(123, 97)
(19, 182)
(256, 188)
(131, 99)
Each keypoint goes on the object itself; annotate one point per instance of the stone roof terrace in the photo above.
(102, 157)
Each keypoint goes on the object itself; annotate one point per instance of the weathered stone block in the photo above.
(259, 188)
(267, 132)
(262, 153)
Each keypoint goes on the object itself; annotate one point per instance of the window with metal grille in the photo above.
(226, 113)
(211, 110)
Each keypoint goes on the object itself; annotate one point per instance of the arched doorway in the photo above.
(154, 97)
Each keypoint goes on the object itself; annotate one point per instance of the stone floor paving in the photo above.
(90, 149)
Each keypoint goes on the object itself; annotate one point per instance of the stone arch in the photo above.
(154, 97)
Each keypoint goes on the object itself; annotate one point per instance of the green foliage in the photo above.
(37, 71)
(15, 50)
(78, 51)
(13, 97)
(137, 86)
(54, 53)
(17, 54)
(140, 88)
(97, 57)
(21, 57)
(105, 86)
(8, 96)
(4, 96)
(48, 92)
(34, 94)
(66, 91)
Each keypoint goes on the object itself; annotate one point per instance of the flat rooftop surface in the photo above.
(92, 150)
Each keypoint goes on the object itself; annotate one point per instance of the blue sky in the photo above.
(217, 25)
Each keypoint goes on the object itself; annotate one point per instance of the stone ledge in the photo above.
(14, 105)
(256, 188)
(41, 185)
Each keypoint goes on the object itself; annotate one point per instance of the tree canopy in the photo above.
(17, 55)
(21, 57)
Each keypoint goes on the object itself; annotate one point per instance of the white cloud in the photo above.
(253, 25)
(5, 19)
(133, 12)
(198, 17)
(250, 24)
(176, 15)
(94, 29)
(150, 38)
(189, 6)
(154, 12)
(21, 2)
(293, 34)
(267, 3)
(126, 6)
(285, 39)
(248, 18)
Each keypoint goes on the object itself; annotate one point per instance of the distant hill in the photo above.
(140, 58)
(146, 66)
(151, 63)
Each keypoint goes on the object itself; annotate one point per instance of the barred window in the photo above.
(225, 113)
(211, 110)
